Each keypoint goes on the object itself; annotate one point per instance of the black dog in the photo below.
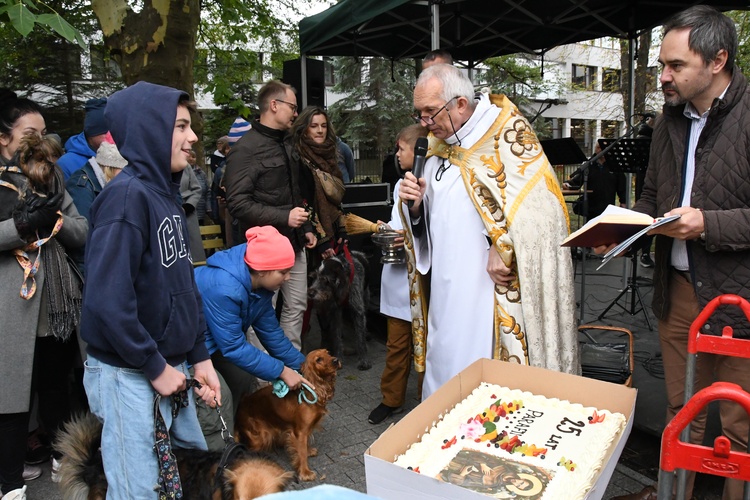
(339, 286)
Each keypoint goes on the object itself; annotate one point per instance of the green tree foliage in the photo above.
(519, 77)
(377, 102)
(51, 70)
(26, 15)
(515, 75)
(742, 20)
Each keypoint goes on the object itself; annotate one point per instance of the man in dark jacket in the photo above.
(700, 168)
(142, 313)
(262, 184)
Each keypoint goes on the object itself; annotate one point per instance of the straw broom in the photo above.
(358, 225)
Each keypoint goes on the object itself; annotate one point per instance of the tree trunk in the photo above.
(641, 72)
(155, 45)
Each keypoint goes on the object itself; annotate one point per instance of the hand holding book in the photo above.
(627, 243)
(614, 225)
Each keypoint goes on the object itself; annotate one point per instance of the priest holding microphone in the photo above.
(487, 218)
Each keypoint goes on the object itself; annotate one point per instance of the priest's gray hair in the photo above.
(455, 83)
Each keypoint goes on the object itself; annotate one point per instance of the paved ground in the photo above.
(346, 434)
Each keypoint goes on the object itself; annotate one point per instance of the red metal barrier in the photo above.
(676, 451)
(725, 344)
(719, 460)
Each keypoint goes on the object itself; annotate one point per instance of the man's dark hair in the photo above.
(185, 101)
(439, 54)
(273, 89)
(710, 32)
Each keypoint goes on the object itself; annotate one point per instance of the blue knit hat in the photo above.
(93, 123)
(238, 129)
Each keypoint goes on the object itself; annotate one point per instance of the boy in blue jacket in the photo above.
(142, 315)
(237, 286)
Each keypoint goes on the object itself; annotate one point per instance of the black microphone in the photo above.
(420, 156)
(646, 116)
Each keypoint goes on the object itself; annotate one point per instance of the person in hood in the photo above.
(237, 286)
(79, 148)
(142, 315)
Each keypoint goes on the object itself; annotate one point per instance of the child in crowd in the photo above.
(394, 301)
(237, 286)
(142, 313)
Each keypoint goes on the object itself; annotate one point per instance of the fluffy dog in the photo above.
(264, 420)
(247, 474)
(333, 293)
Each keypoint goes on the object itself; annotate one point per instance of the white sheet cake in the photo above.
(508, 443)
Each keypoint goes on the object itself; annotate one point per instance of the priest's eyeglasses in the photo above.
(430, 120)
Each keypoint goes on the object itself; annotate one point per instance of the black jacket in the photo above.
(262, 183)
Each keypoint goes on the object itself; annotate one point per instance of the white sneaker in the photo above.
(18, 494)
(31, 472)
(55, 476)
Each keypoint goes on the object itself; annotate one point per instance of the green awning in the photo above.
(473, 30)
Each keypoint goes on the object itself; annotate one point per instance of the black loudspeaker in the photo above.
(316, 84)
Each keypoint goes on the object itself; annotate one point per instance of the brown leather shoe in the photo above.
(647, 493)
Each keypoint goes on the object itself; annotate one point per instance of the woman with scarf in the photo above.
(40, 294)
(315, 143)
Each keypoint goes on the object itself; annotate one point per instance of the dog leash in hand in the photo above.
(281, 389)
(231, 447)
(170, 485)
(226, 435)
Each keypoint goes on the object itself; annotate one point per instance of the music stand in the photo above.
(563, 151)
(566, 151)
(628, 156)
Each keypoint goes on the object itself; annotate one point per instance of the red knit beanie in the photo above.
(267, 249)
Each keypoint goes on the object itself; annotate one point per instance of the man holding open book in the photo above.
(700, 168)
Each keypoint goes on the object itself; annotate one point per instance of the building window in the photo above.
(611, 80)
(584, 133)
(610, 129)
(584, 77)
(330, 74)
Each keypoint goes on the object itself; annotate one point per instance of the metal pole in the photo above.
(631, 110)
(435, 25)
(303, 76)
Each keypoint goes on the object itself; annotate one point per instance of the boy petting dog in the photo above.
(237, 286)
(142, 314)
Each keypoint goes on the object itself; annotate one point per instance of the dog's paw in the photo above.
(307, 475)
(313, 452)
(364, 365)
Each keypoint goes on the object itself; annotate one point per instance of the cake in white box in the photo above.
(508, 443)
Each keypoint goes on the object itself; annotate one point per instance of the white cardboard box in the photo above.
(389, 481)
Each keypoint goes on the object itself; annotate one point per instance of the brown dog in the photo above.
(247, 474)
(264, 420)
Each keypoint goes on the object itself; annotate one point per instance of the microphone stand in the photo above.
(542, 109)
(584, 169)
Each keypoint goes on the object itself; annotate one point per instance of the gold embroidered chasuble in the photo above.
(517, 196)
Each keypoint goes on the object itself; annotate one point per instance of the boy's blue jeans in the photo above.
(123, 399)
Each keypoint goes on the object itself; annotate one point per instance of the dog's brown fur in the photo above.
(248, 475)
(264, 420)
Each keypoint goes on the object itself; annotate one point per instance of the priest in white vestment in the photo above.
(488, 218)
